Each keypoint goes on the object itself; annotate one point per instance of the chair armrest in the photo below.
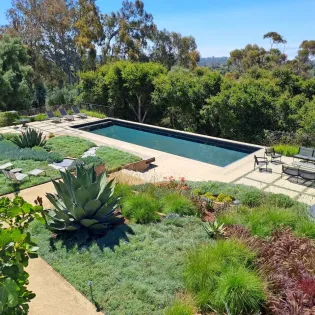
(261, 157)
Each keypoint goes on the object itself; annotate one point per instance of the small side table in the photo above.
(24, 121)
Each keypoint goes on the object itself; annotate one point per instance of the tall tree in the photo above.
(15, 75)
(275, 38)
(128, 32)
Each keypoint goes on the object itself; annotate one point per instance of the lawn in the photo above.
(69, 146)
(114, 158)
(139, 276)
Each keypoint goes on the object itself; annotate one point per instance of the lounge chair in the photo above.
(35, 172)
(78, 113)
(15, 177)
(6, 166)
(307, 174)
(52, 117)
(270, 152)
(305, 154)
(65, 115)
(262, 162)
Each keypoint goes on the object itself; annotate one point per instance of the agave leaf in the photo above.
(55, 201)
(82, 196)
(78, 213)
(94, 190)
(92, 206)
(106, 210)
(107, 192)
(98, 226)
(88, 222)
(102, 179)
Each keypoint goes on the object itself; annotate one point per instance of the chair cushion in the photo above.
(306, 151)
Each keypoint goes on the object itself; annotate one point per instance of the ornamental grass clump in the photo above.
(141, 208)
(84, 205)
(222, 278)
(177, 203)
(29, 139)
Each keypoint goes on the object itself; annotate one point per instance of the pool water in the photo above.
(203, 152)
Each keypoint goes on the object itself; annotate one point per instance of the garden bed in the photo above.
(165, 251)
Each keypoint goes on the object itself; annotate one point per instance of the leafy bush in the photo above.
(93, 113)
(177, 203)
(16, 248)
(61, 96)
(140, 208)
(252, 198)
(84, 204)
(180, 308)
(10, 151)
(69, 146)
(40, 117)
(90, 161)
(224, 198)
(286, 149)
(209, 272)
(264, 220)
(279, 200)
(7, 118)
(29, 139)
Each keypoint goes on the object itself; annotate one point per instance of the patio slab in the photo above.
(292, 184)
(278, 190)
(264, 177)
(250, 182)
(309, 200)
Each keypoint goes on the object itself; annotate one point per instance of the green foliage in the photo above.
(114, 158)
(177, 203)
(286, 149)
(224, 198)
(8, 118)
(214, 229)
(15, 75)
(180, 308)
(40, 117)
(253, 198)
(147, 259)
(93, 113)
(61, 96)
(84, 204)
(90, 161)
(141, 208)
(16, 247)
(10, 151)
(69, 146)
(264, 220)
(230, 262)
(279, 200)
(29, 139)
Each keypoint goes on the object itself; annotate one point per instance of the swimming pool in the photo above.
(197, 147)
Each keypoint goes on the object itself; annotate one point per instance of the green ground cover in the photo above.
(93, 113)
(286, 149)
(114, 158)
(69, 146)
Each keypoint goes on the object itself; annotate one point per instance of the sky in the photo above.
(220, 26)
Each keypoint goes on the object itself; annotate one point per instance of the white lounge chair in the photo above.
(6, 166)
(15, 177)
(36, 172)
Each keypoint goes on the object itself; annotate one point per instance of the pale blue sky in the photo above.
(222, 25)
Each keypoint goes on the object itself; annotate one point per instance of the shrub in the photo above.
(40, 117)
(279, 200)
(141, 208)
(7, 118)
(84, 204)
(208, 270)
(252, 198)
(90, 161)
(16, 247)
(61, 96)
(177, 203)
(180, 308)
(286, 149)
(224, 198)
(29, 139)
(93, 113)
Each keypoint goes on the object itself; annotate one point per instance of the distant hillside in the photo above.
(213, 62)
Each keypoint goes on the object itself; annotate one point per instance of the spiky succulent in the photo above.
(84, 204)
(29, 139)
(214, 229)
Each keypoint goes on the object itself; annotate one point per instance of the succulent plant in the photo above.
(214, 229)
(29, 139)
(84, 204)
